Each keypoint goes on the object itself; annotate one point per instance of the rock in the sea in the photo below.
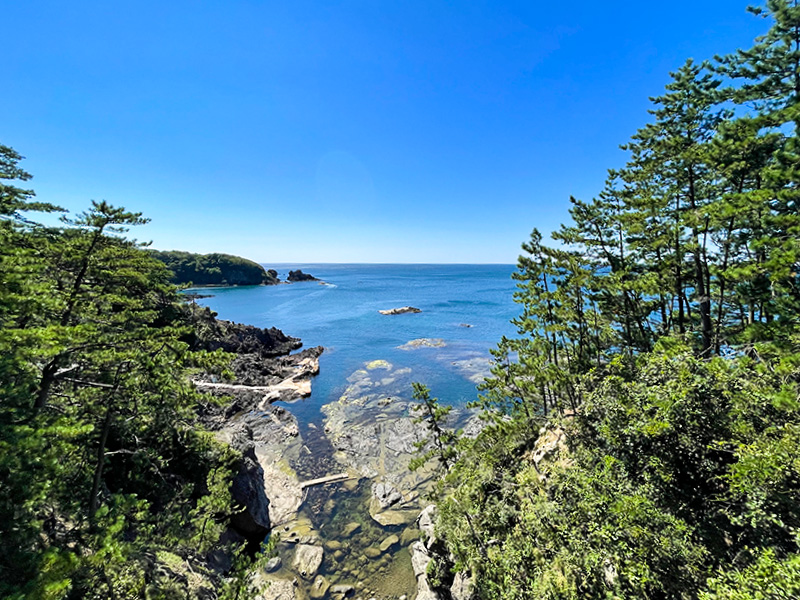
(400, 311)
(307, 559)
(298, 275)
(390, 518)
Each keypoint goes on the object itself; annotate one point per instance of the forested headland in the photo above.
(112, 487)
(188, 268)
(642, 431)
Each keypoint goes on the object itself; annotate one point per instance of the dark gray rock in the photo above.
(298, 275)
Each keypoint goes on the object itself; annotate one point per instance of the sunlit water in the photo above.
(343, 317)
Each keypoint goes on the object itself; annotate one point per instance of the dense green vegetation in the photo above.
(213, 269)
(110, 486)
(643, 430)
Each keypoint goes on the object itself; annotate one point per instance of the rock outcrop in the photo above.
(298, 275)
(400, 311)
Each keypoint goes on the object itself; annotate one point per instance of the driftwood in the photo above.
(329, 479)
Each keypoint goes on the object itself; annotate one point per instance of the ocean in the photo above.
(466, 309)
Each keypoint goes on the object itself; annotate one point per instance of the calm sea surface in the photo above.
(468, 307)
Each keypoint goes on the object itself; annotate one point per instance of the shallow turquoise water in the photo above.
(343, 317)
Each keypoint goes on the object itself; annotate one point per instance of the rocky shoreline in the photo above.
(339, 498)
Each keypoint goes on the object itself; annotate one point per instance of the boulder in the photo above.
(343, 590)
(391, 518)
(307, 560)
(419, 558)
(273, 564)
(248, 489)
(390, 541)
(386, 494)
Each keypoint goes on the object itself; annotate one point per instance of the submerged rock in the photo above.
(474, 369)
(389, 542)
(401, 310)
(343, 590)
(350, 529)
(423, 343)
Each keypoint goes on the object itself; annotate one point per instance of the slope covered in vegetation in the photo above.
(111, 488)
(643, 435)
(213, 269)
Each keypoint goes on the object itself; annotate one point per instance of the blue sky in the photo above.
(353, 131)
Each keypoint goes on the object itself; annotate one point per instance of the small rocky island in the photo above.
(400, 311)
(298, 275)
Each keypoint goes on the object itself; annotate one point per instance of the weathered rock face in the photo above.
(248, 489)
(401, 310)
(419, 561)
(298, 275)
(462, 587)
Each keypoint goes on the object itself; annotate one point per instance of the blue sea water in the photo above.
(343, 317)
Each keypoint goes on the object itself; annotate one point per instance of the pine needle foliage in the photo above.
(104, 467)
(643, 428)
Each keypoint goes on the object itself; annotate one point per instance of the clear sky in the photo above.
(341, 131)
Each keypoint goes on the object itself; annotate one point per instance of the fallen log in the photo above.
(328, 479)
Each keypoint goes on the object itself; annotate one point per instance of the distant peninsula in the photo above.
(214, 269)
